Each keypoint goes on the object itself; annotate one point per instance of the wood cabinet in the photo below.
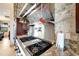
(21, 28)
(77, 17)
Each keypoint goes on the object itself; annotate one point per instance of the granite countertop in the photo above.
(71, 50)
(74, 47)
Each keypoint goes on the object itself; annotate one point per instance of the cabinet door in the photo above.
(77, 17)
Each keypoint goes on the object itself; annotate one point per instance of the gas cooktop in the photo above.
(38, 48)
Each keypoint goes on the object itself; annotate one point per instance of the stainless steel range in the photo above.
(38, 48)
(35, 46)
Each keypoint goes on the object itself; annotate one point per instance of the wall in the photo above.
(65, 19)
(49, 32)
(12, 24)
(39, 13)
(52, 8)
(49, 28)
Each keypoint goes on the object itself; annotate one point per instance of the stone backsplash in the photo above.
(65, 19)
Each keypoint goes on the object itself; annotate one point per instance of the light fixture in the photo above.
(23, 9)
(30, 9)
(34, 11)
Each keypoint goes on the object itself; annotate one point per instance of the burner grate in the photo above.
(38, 48)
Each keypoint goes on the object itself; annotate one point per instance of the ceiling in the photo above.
(5, 9)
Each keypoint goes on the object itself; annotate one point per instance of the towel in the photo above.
(60, 40)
